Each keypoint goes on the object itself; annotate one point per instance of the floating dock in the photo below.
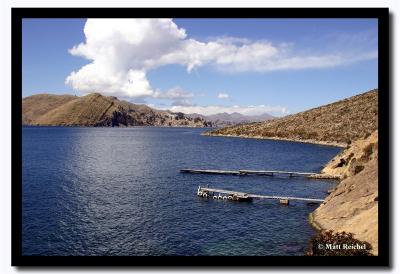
(223, 194)
(248, 172)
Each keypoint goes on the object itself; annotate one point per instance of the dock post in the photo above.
(284, 202)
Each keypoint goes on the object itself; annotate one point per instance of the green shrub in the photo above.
(328, 243)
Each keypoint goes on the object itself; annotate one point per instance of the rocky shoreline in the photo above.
(353, 205)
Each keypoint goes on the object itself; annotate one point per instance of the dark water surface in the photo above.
(118, 191)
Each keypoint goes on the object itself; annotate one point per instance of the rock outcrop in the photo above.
(96, 110)
(353, 205)
(352, 159)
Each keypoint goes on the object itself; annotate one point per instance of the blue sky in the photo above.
(252, 66)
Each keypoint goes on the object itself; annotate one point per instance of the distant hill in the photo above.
(336, 123)
(226, 119)
(97, 110)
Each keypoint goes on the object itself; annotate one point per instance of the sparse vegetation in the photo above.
(339, 122)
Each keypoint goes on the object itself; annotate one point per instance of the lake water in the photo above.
(118, 191)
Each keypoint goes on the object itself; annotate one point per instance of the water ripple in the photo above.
(109, 191)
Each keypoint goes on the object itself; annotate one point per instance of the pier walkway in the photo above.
(237, 195)
(248, 172)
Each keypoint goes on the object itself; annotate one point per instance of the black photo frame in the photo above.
(382, 14)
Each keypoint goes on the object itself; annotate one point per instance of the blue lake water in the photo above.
(118, 191)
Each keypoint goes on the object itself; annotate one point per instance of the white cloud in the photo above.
(245, 110)
(98, 78)
(179, 96)
(174, 93)
(118, 50)
(223, 96)
(122, 51)
(182, 102)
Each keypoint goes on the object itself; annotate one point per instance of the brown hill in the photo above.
(337, 123)
(97, 110)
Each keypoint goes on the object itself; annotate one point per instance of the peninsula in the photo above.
(96, 110)
(335, 124)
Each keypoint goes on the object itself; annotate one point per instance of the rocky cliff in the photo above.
(353, 205)
(98, 110)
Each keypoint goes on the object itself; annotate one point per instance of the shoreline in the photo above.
(309, 141)
(314, 224)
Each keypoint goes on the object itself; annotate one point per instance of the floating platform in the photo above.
(223, 194)
(243, 172)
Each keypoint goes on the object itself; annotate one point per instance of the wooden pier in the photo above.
(275, 172)
(210, 171)
(248, 172)
(242, 196)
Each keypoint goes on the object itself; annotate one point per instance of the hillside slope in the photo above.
(37, 105)
(337, 123)
(97, 110)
